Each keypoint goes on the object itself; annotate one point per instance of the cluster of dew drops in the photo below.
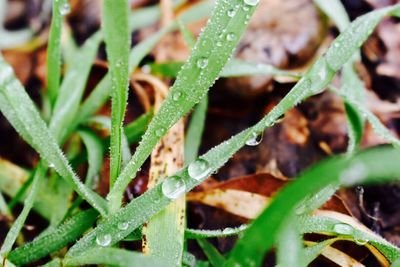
(174, 187)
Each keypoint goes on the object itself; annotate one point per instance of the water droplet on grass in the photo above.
(104, 240)
(64, 9)
(255, 139)
(231, 13)
(361, 241)
(199, 169)
(160, 132)
(173, 187)
(251, 2)
(202, 62)
(230, 36)
(176, 96)
(123, 226)
(343, 228)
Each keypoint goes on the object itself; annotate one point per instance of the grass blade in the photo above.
(54, 50)
(19, 222)
(213, 255)
(196, 77)
(114, 257)
(55, 239)
(137, 128)
(195, 130)
(21, 112)
(199, 234)
(117, 38)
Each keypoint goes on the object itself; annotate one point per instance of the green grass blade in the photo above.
(54, 50)
(94, 148)
(213, 255)
(21, 112)
(312, 252)
(324, 224)
(192, 83)
(20, 221)
(198, 234)
(54, 240)
(117, 38)
(195, 130)
(72, 87)
(53, 263)
(114, 257)
(263, 232)
(137, 128)
(4, 209)
(335, 10)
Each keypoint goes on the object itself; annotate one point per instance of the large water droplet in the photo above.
(173, 187)
(255, 139)
(103, 240)
(361, 241)
(199, 169)
(343, 228)
(202, 62)
(231, 12)
(230, 36)
(65, 9)
(123, 226)
(251, 2)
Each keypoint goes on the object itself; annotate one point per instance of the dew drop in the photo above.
(230, 36)
(118, 64)
(361, 241)
(51, 165)
(255, 139)
(173, 187)
(104, 240)
(123, 226)
(199, 169)
(251, 2)
(160, 132)
(343, 228)
(65, 9)
(202, 62)
(176, 96)
(231, 13)
(219, 44)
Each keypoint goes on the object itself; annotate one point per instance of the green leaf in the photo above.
(114, 257)
(117, 38)
(21, 112)
(198, 234)
(20, 221)
(195, 130)
(54, 49)
(213, 255)
(54, 240)
(193, 81)
(137, 128)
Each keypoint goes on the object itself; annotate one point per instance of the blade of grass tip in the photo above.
(72, 87)
(154, 200)
(21, 112)
(188, 36)
(53, 263)
(213, 255)
(114, 257)
(262, 233)
(20, 221)
(290, 251)
(94, 148)
(199, 234)
(4, 209)
(102, 91)
(60, 9)
(335, 10)
(196, 77)
(195, 130)
(54, 240)
(117, 39)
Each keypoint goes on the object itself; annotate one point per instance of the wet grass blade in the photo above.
(195, 130)
(137, 128)
(117, 38)
(20, 221)
(54, 49)
(114, 257)
(196, 77)
(21, 112)
(54, 240)
(199, 234)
